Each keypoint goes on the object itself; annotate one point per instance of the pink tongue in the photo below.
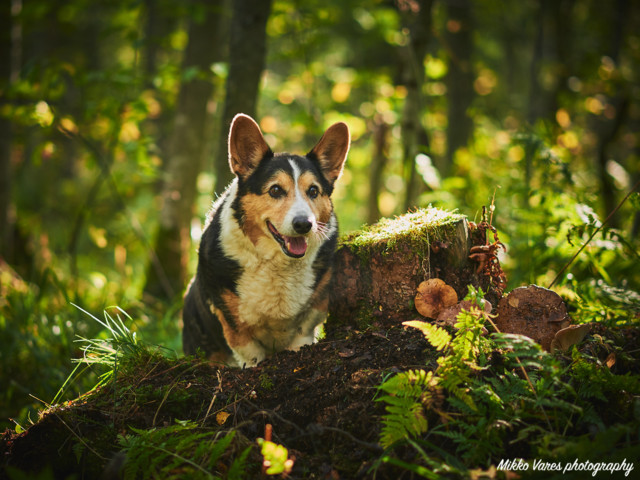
(296, 245)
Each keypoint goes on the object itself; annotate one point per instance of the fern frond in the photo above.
(406, 394)
(438, 337)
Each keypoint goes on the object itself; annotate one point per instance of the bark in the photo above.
(607, 127)
(247, 56)
(459, 79)
(5, 133)
(378, 162)
(377, 270)
(417, 17)
(167, 275)
(551, 58)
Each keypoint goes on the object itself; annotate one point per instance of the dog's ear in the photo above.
(246, 145)
(331, 151)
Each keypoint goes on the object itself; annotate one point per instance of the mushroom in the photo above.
(569, 336)
(449, 315)
(433, 296)
(533, 311)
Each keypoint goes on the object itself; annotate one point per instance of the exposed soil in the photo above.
(320, 402)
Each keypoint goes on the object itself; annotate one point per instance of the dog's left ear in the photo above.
(247, 146)
(331, 151)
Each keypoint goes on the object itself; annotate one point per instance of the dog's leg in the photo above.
(308, 329)
(249, 355)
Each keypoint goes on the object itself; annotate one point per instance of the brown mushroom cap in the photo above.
(449, 315)
(569, 336)
(433, 296)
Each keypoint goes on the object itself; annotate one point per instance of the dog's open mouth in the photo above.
(294, 247)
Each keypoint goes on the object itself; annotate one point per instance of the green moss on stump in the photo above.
(417, 229)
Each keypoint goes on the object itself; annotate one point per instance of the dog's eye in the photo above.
(313, 191)
(276, 191)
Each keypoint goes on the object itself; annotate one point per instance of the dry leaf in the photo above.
(221, 417)
(611, 360)
(346, 353)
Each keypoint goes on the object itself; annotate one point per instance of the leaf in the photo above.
(221, 417)
(611, 360)
(437, 337)
(276, 457)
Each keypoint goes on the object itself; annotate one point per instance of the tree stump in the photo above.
(378, 268)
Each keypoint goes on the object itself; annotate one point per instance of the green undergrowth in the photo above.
(418, 229)
(153, 407)
(500, 397)
(184, 450)
(488, 399)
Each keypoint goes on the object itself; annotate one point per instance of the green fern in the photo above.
(438, 337)
(180, 450)
(407, 393)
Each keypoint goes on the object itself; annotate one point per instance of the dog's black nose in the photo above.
(301, 225)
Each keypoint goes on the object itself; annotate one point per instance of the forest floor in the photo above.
(320, 402)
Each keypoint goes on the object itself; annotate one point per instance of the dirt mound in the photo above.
(320, 402)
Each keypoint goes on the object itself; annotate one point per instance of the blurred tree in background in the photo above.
(114, 115)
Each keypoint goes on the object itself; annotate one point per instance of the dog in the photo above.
(266, 252)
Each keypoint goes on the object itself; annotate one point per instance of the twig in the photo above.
(79, 438)
(613, 212)
(322, 428)
(273, 414)
(166, 395)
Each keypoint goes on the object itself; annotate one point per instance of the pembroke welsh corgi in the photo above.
(266, 253)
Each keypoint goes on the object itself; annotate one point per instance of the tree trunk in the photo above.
(166, 274)
(247, 55)
(5, 133)
(607, 127)
(378, 162)
(378, 269)
(417, 18)
(459, 79)
(551, 57)
(159, 23)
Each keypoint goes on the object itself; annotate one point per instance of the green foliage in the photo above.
(438, 337)
(499, 393)
(181, 450)
(406, 395)
(107, 352)
(276, 458)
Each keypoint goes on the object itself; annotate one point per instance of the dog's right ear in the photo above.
(247, 146)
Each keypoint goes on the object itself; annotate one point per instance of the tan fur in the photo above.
(320, 298)
(236, 337)
(254, 226)
(321, 206)
(220, 358)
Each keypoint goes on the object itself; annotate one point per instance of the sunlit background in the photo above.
(531, 106)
